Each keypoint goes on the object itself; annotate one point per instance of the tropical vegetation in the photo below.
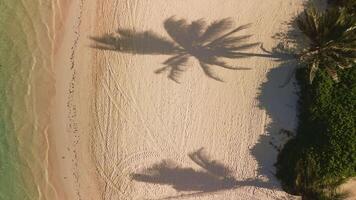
(322, 155)
(349, 5)
(331, 37)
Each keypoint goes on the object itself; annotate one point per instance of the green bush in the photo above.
(323, 154)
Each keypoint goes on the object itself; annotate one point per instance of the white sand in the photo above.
(113, 117)
(141, 118)
(349, 189)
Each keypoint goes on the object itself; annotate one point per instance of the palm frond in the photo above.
(332, 38)
(313, 69)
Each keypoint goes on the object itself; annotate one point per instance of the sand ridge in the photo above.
(72, 171)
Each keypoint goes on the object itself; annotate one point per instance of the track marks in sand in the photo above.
(118, 177)
(113, 165)
(141, 120)
(130, 101)
(116, 105)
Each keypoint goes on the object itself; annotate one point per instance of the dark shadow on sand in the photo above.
(208, 44)
(213, 176)
(279, 98)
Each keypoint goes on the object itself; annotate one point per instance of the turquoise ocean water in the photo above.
(25, 37)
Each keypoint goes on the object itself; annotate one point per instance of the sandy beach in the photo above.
(150, 116)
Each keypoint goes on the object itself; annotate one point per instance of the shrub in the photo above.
(323, 153)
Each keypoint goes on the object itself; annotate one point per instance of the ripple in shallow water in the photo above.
(24, 41)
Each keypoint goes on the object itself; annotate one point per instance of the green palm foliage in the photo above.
(349, 5)
(331, 40)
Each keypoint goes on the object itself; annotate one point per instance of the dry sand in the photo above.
(127, 127)
(349, 189)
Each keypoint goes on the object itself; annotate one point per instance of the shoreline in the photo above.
(98, 113)
(70, 124)
(106, 121)
(102, 119)
(61, 163)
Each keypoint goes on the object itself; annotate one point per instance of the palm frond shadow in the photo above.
(213, 176)
(209, 44)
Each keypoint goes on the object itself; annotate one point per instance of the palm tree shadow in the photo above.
(213, 176)
(209, 44)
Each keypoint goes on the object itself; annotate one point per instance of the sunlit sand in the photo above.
(172, 99)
